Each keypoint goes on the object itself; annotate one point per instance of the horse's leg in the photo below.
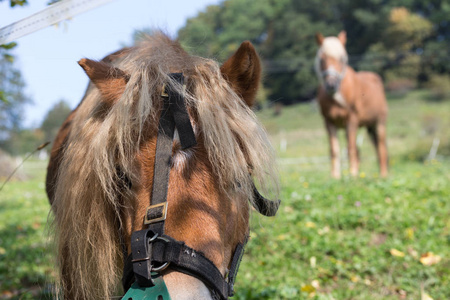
(382, 148)
(351, 131)
(334, 150)
(372, 131)
(377, 134)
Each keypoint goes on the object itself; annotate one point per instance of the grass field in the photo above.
(354, 238)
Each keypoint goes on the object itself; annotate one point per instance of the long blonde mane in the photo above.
(86, 206)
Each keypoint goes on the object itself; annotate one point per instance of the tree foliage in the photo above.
(401, 40)
(54, 119)
(12, 95)
(13, 3)
(11, 107)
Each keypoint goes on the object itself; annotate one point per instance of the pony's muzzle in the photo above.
(332, 80)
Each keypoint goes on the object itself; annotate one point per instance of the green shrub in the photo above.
(439, 86)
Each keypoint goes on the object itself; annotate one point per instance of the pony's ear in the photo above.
(243, 72)
(109, 80)
(342, 36)
(319, 38)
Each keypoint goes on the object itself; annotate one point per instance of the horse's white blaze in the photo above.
(181, 158)
(332, 47)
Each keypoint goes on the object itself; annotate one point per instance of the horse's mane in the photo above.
(86, 206)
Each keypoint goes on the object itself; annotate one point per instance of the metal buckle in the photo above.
(159, 212)
(161, 268)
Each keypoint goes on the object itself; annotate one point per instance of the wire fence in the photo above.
(369, 60)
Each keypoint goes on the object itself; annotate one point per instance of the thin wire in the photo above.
(27, 157)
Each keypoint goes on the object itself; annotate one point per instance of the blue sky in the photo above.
(48, 58)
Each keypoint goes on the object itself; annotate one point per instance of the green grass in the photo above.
(339, 234)
(332, 239)
(25, 255)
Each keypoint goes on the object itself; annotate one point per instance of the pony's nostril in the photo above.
(160, 297)
(329, 86)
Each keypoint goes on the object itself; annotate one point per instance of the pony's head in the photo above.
(106, 173)
(331, 61)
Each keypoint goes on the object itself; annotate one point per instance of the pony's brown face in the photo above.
(202, 213)
(331, 61)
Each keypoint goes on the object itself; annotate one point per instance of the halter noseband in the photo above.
(151, 250)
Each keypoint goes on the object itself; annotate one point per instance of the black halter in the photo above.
(153, 251)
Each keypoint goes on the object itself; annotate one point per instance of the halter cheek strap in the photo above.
(152, 250)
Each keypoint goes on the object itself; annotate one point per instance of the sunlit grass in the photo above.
(25, 257)
(332, 239)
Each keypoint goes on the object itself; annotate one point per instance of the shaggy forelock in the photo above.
(333, 47)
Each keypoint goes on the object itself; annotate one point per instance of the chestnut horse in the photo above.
(348, 100)
(101, 170)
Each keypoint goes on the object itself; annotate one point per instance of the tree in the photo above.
(411, 41)
(403, 37)
(14, 98)
(3, 48)
(282, 32)
(54, 119)
(7, 57)
(23, 141)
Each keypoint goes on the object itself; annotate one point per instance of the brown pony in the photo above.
(349, 99)
(115, 127)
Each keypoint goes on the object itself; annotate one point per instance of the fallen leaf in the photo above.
(281, 237)
(308, 288)
(312, 261)
(324, 230)
(315, 283)
(395, 252)
(310, 224)
(413, 252)
(429, 259)
(409, 232)
(425, 296)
